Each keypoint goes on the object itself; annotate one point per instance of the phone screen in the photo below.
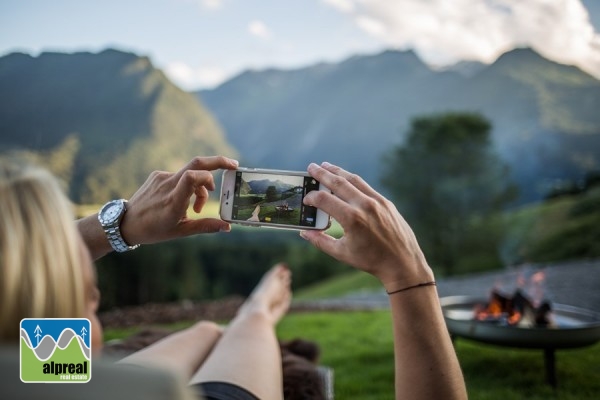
(273, 198)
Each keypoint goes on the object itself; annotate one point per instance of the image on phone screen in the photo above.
(273, 198)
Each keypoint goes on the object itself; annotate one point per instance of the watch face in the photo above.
(112, 211)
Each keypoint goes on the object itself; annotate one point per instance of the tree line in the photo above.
(206, 267)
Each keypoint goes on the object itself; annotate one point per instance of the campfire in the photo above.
(519, 314)
(524, 308)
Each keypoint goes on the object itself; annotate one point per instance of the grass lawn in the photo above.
(340, 285)
(358, 346)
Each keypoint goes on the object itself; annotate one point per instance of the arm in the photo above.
(379, 241)
(158, 210)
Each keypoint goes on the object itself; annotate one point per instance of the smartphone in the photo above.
(270, 198)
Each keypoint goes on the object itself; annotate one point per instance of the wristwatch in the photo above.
(110, 217)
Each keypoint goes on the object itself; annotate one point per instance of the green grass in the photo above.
(359, 347)
(339, 285)
(564, 228)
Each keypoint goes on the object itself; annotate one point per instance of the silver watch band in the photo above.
(115, 239)
(110, 217)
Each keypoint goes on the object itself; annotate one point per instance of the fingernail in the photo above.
(312, 165)
(303, 235)
(225, 228)
(326, 164)
(236, 163)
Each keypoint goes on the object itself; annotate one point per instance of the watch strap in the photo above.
(113, 231)
(113, 234)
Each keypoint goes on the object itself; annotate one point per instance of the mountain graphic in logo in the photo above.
(55, 350)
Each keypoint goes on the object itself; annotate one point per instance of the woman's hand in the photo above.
(376, 237)
(158, 210)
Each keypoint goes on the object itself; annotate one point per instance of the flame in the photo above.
(495, 311)
(514, 318)
(520, 309)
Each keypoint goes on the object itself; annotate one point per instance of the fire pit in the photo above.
(572, 327)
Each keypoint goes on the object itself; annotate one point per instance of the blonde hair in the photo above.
(40, 250)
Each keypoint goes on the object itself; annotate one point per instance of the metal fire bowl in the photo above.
(576, 327)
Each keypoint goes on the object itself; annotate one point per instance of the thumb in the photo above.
(322, 241)
(204, 225)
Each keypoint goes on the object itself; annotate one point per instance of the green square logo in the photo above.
(56, 350)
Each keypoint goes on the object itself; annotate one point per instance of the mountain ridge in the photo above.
(112, 115)
(352, 112)
(261, 186)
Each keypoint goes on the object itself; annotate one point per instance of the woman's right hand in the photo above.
(376, 238)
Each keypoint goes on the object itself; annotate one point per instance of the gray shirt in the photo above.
(108, 381)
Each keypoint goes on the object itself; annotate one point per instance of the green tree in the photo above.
(271, 194)
(449, 184)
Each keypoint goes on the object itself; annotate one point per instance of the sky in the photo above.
(202, 43)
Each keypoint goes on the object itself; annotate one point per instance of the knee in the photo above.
(208, 328)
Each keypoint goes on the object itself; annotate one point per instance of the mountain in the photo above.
(102, 122)
(261, 186)
(544, 115)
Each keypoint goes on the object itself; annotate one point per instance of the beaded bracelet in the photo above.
(432, 283)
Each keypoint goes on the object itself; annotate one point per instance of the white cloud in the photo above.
(445, 31)
(259, 29)
(189, 78)
(212, 4)
(209, 4)
(342, 5)
(371, 25)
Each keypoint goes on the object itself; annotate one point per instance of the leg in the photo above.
(182, 352)
(248, 353)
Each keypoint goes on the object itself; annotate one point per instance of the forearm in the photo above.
(182, 352)
(425, 360)
(378, 240)
(94, 237)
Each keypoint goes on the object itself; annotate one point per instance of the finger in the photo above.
(331, 204)
(208, 164)
(204, 225)
(337, 184)
(324, 242)
(201, 198)
(354, 179)
(190, 182)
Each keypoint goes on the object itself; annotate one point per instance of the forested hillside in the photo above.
(544, 115)
(101, 121)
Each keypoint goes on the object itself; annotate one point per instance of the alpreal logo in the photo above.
(56, 350)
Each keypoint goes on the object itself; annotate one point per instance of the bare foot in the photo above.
(272, 295)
